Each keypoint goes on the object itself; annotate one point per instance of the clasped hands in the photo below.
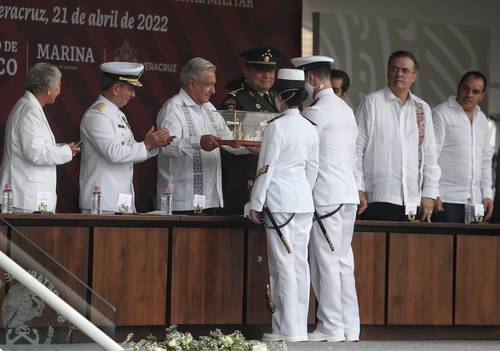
(158, 138)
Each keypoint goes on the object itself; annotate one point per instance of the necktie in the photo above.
(268, 99)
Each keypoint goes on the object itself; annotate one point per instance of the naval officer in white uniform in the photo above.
(287, 171)
(109, 149)
(335, 198)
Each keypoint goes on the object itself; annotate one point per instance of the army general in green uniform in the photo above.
(253, 93)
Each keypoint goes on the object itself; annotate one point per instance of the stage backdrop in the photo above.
(361, 46)
(79, 36)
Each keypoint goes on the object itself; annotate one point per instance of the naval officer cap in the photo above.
(127, 72)
(262, 58)
(310, 63)
(289, 79)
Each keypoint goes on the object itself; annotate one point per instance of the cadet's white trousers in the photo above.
(332, 273)
(289, 274)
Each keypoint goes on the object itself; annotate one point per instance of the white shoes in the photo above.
(319, 336)
(352, 338)
(315, 336)
(270, 337)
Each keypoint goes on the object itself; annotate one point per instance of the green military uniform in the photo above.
(237, 171)
(247, 99)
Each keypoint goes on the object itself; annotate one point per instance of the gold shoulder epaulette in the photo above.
(234, 92)
(99, 107)
(262, 170)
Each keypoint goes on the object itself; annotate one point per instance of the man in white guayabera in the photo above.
(397, 169)
(191, 165)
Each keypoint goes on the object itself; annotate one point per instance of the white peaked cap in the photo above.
(128, 72)
(291, 74)
(123, 68)
(312, 61)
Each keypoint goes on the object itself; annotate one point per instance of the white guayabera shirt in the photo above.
(183, 165)
(387, 149)
(464, 153)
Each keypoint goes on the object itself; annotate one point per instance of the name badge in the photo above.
(42, 201)
(199, 203)
(411, 211)
(246, 209)
(124, 203)
(479, 212)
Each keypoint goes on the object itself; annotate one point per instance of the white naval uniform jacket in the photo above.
(337, 130)
(109, 152)
(388, 147)
(175, 162)
(288, 165)
(31, 154)
(464, 153)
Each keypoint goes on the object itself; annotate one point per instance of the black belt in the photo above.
(319, 218)
(277, 227)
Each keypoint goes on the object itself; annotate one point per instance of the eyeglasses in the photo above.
(405, 71)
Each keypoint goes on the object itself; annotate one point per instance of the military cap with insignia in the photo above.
(310, 63)
(126, 72)
(262, 57)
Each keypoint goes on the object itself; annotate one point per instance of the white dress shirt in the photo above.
(175, 162)
(289, 155)
(337, 130)
(31, 154)
(388, 148)
(464, 153)
(109, 152)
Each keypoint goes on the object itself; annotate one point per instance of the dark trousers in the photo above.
(453, 213)
(384, 211)
(215, 211)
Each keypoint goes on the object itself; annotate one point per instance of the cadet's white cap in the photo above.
(291, 74)
(289, 79)
(128, 72)
(311, 62)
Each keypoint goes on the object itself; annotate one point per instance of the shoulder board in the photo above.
(275, 118)
(99, 107)
(314, 124)
(234, 92)
(314, 103)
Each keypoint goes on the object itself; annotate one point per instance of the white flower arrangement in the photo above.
(177, 341)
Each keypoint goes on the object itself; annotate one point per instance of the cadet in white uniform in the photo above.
(335, 198)
(30, 152)
(287, 170)
(109, 149)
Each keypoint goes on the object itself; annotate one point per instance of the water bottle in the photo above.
(96, 201)
(166, 202)
(8, 199)
(469, 212)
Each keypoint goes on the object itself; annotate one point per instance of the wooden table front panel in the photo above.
(4, 278)
(420, 279)
(370, 272)
(69, 247)
(207, 276)
(130, 271)
(477, 293)
(257, 311)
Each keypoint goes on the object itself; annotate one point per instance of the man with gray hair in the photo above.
(190, 166)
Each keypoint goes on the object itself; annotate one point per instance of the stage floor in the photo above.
(445, 345)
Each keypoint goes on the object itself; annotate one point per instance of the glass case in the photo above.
(247, 126)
